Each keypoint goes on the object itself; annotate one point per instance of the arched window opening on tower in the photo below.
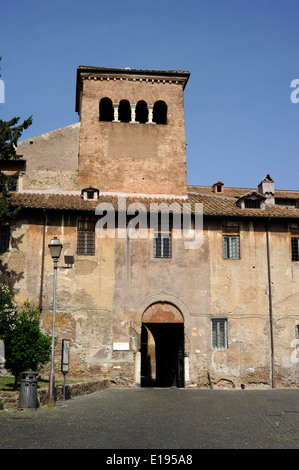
(124, 111)
(141, 112)
(106, 109)
(160, 112)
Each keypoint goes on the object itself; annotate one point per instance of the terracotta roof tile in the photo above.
(238, 192)
(213, 204)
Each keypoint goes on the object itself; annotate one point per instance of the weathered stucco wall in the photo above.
(240, 293)
(102, 299)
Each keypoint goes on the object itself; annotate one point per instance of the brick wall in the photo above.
(132, 157)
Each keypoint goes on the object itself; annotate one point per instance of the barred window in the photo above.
(4, 238)
(162, 245)
(295, 248)
(86, 237)
(219, 333)
(231, 243)
(252, 204)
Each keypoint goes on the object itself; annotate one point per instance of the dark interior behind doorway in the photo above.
(162, 355)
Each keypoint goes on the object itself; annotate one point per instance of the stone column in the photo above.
(133, 113)
(137, 368)
(115, 108)
(150, 114)
(186, 370)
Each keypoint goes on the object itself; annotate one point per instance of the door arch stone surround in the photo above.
(176, 303)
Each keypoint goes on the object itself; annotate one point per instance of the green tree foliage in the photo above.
(10, 132)
(26, 347)
(8, 311)
(8, 211)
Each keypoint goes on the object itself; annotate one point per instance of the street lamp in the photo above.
(55, 249)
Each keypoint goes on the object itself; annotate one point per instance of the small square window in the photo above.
(219, 333)
(90, 194)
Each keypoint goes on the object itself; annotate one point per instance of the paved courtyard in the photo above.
(149, 418)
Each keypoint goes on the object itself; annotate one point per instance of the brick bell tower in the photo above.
(132, 131)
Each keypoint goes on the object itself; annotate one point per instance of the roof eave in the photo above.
(182, 74)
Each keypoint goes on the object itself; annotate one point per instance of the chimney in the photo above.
(266, 188)
(217, 187)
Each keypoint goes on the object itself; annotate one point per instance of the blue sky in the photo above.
(242, 55)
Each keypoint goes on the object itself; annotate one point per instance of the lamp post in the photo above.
(55, 249)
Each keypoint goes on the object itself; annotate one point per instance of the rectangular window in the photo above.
(252, 204)
(295, 248)
(162, 245)
(86, 237)
(219, 333)
(231, 243)
(13, 184)
(4, 238)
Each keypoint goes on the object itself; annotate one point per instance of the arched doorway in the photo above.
(162, 346)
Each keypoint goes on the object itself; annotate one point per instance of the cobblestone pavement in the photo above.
(149, 418)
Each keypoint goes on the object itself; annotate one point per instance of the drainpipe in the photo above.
(42, 264)
(270, 307)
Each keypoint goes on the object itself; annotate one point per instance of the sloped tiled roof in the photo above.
(238, 192)
(214, 204)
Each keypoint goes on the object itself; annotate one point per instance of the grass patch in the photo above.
(7, 383)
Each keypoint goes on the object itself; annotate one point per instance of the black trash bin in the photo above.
(28, 390)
